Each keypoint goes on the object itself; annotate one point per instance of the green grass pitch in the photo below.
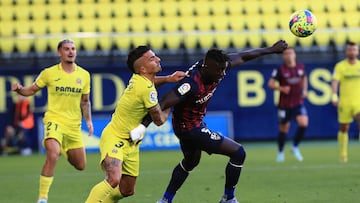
(320, 178)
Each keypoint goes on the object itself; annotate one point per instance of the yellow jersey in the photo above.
(138, 97)
(349, 78)
(64, 93)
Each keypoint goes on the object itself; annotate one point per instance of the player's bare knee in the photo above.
(127, 192)
(113, 181)
(80, 166)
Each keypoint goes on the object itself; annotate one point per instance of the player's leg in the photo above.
(74, 147)
(77, 158)
(237, 155)
(125, 189)
(53, 138)
(345, 117)
(357, 118)
(284, 116)
(302, 121)
(112, 169)
(181, 171)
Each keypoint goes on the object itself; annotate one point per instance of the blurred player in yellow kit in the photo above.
(68, 87)
(119, 143)
(347, 75)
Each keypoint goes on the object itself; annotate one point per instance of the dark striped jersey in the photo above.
(195, 94)
(292, 77)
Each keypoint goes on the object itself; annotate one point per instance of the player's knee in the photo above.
(80, 166)
(239, 157)
(189, 165)
(113, 181)
(126, 192)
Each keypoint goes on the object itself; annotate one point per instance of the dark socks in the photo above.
(281, 141)
(300, 132)
(178, 177)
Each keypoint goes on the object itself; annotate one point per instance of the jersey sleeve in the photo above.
(150, 97)
(276, 74)
(86, 89)
(185, 88)
(42, 80)
(337, 72)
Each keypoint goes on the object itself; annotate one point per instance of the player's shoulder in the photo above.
(82, 70)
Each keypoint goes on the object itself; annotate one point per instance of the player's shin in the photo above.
(343, 139)
(114, 196)
(178, 177)
(45, 183)
(232, 172)
(99, 192)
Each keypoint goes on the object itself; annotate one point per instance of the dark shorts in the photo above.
(200, 138)
(286, 114)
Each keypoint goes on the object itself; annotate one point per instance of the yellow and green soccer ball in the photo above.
(302, 23)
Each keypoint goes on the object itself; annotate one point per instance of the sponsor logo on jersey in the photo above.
(184, 88)
(68, 89)
(153, 96)
(206, 98)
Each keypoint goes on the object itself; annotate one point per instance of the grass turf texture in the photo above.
(320, 178)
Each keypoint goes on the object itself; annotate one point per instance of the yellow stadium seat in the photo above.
(139, 39)
(173, 41)
(24, 44)
(350, 5)
(7, 44)
(121, 25)
(171, 24)
(137, 24)
(354, 37)
(253, 22)
(254, 39)
(220, 23)
(306, 41)
(72, 26)
(169, 8)
(6, 28)
(237, 22)
(323, 38)
(22, 27)
(289, 38)
(270, 21)
(136, 9)
(89, 43)
(21, 12)
(206, 41)
(333, 6)
(84, 25)
(238, 39)
(38, 12)
(340, 38)
(252, 7)
(222, 40)
(88, 10)
(154, 24)
(187, 23)
(350, 20)
(72, 12)
(336, 20)
(318, 7)
(55, 12)
(104, 25)
(6, 13)
(322, 20)
(300, 5)
(203, 23)
(190, 41)
(203, 8)
(105, 10)
(153, 9)
(55, 27)
(122, 42)
(157, 41)
(186, 8)
(235, 7)
(284, 6)
(105, 43)
(271, 37)
(38, 27)
(268, 7)
(41, 44)
(219, 8)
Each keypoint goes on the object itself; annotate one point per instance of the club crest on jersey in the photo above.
(78, 81)
(153, 96)
(184, 88)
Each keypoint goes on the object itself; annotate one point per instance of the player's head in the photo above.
(67, 51)
(142, 60)
(352, 50)
(289, 56)
(215, 64)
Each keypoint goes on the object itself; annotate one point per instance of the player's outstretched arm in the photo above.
(241, 57)
(86, 111)
(175, 77)
(25, 91)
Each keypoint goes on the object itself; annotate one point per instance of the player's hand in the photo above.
(90, 128)
(304, 94)
(16, 87)
(285, 89)
(177, 76)
(137, 134)
(279, 46)
(334, 99)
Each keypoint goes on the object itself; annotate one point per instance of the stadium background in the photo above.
(180, 32)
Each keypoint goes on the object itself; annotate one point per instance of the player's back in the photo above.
(138, 97)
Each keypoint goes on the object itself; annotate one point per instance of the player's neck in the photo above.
(291, 65)
(352, 61)
(150, 77)
(68, 67)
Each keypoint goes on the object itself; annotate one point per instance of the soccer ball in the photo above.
(302, 23)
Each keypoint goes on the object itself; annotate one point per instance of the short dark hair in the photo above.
(217, 55)
(134, 55)
(64, 41)
(350, 43)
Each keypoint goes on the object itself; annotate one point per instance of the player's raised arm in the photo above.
(175, 77)
(25, 91)
(241, 57)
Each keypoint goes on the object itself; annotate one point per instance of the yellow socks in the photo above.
(45, 183)
(114, 196)
(343, 140)
(99, 192)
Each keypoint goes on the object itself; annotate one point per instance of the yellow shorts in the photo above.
(121, 149)
(347, 111)
(69, 138)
